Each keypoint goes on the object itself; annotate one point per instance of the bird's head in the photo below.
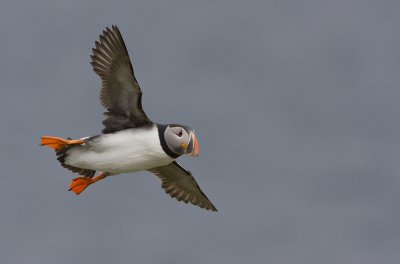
(182, 140)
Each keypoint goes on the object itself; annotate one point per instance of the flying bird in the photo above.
(130, 141)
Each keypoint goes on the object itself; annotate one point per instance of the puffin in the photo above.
(130, 141)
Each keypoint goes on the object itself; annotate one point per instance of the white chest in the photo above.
(124, 151)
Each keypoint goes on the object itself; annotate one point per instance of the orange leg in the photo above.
(58, 143)
(78, 185)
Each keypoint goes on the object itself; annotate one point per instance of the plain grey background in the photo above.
(295, 103)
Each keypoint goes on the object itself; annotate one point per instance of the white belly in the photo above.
(124, 151)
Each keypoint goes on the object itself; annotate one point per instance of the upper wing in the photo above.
(180, 184)
(120, 93)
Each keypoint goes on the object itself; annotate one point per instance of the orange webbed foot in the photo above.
(58, 143)
(78, 185)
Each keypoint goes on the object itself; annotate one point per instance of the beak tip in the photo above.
(195, 147)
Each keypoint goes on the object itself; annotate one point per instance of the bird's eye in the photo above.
(179, 133)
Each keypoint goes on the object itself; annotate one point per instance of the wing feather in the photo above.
(120, 93)
(180, 184)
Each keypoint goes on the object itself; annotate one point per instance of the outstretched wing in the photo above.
(120, 92)
(180, 184)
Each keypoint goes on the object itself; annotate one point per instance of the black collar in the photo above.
(161, 130)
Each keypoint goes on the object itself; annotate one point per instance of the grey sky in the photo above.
(295, 103)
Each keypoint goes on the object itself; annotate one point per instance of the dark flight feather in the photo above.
(120, 93)
(180, 184)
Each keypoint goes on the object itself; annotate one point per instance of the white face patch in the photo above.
(176, 137)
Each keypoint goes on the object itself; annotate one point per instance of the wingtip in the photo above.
(110, 28)
(212, 208)
(114, 27)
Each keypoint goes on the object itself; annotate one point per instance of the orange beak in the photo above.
(193, 148)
